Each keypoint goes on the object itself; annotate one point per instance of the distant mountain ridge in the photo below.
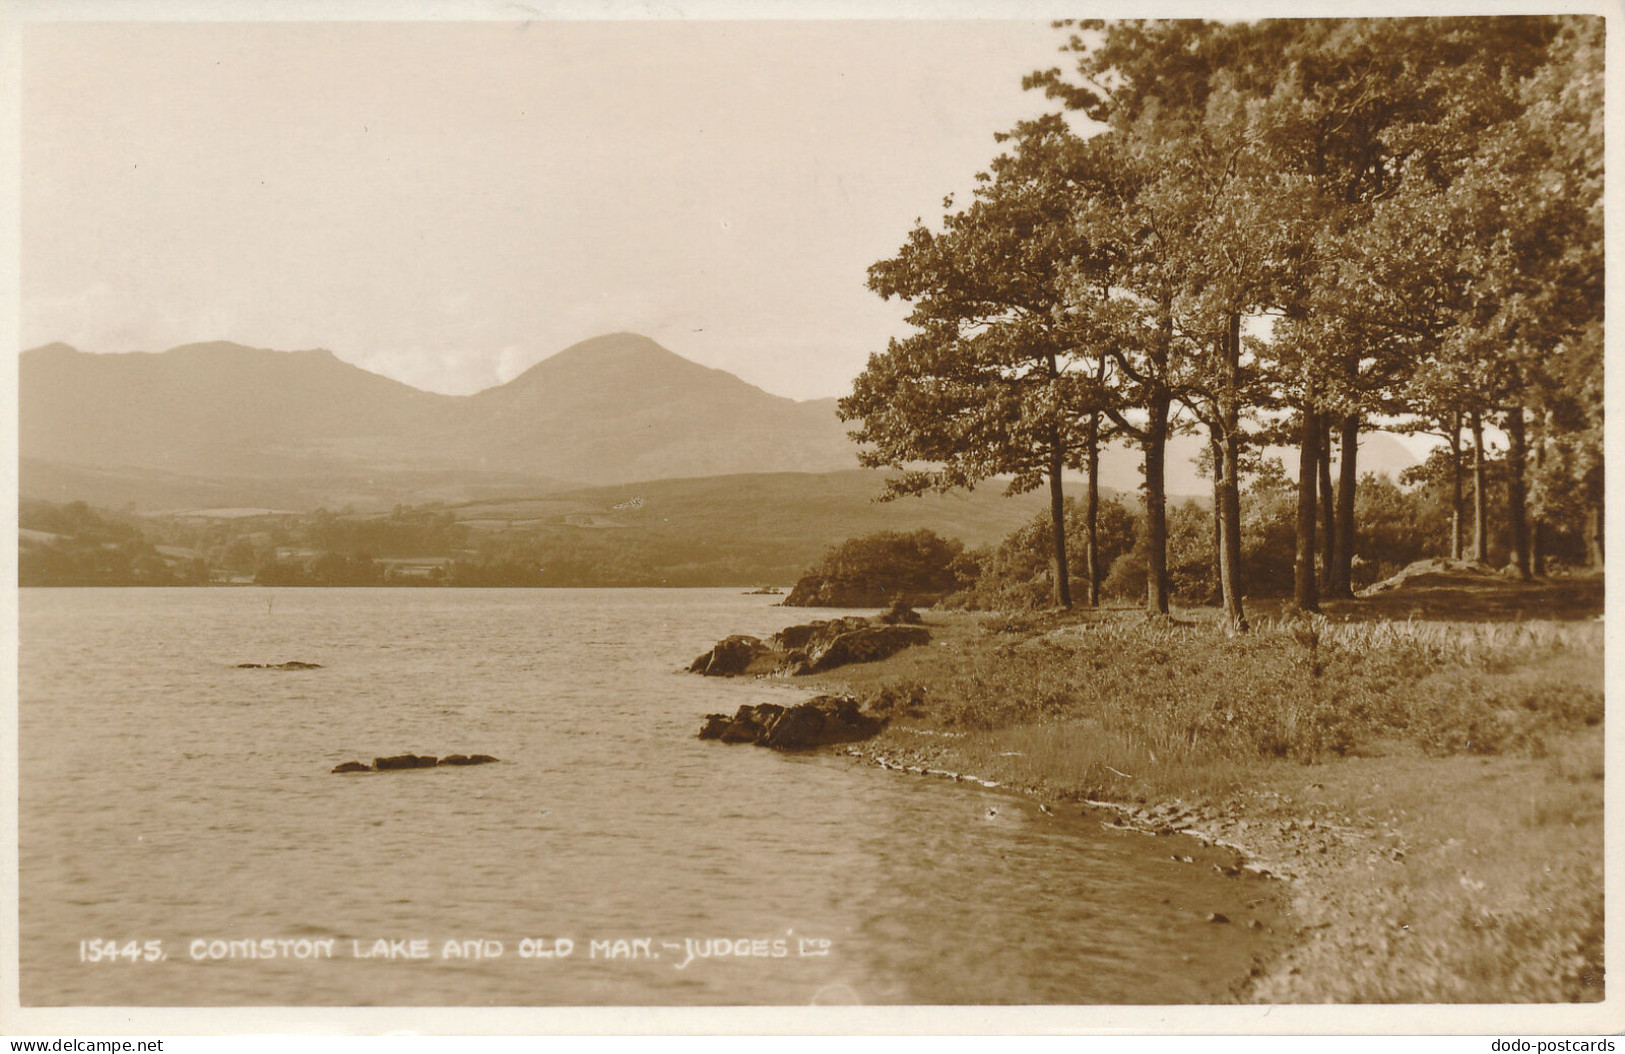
(612, 409)
(224, 424)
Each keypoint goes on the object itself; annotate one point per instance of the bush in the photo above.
(1190, 558)
(875, 569)
(1019, 575)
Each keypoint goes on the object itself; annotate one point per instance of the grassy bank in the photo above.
(1433, 790)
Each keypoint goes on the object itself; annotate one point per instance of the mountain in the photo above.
(220, 424)
(621, 407)
(608, 410)
(216, 410)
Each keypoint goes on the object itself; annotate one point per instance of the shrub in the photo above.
(1190, 557)
(1019, 574)
(875, 569)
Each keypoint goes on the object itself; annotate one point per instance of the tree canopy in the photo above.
(1282, 228)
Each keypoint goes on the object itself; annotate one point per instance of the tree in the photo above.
(1208, 231)
(1528, 211)
(994, 380)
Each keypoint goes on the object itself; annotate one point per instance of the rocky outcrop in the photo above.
(865, 645)
(812, 648)
(413, 761)
(816, 635)
(733, 656)
(295, 665)
(818, 722)
(1436, 571)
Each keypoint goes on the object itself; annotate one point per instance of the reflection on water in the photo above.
(612, 858)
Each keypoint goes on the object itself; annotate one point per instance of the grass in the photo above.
(1495, 894)
(1172, 702)
(1454, 769)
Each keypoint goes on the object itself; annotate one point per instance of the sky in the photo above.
(448, 203)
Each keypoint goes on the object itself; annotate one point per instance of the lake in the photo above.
(183, 842)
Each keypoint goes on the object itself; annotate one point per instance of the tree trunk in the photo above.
(1057, 519)
(1304, 592)
(1536, 499)
(1348, 466)
(1517, 490)
(1593, 532)
(1230, 581)
(1481, 511)
(1455, 485)
(1156, 511)
(1215, 449)
(1227, 474)
(1328, 506)
(1091, 511)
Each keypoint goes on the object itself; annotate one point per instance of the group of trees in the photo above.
(1276, 232)
(912, 567)
(1398, 525)
(75, 545)
(409, 545)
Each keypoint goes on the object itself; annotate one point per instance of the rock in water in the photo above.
(732, 656)
(813, 647)
(715, 726)
(818, 722)
(414, 761)
(471, 759)
(404, 761)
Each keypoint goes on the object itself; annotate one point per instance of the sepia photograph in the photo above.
(1046, 523)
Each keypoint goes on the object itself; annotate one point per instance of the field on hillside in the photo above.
(738, 530)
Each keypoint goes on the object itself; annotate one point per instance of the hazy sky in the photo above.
(449, 203)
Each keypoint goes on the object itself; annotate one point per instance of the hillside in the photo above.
(218, 410)
(220, 424)
(793, 513)
(619, 408)
(719, 530)
(217, 416)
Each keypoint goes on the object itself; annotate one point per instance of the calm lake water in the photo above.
(167, 796)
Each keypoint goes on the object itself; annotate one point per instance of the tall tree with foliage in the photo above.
(995, 381)
(1529, 206)
(1163, 197)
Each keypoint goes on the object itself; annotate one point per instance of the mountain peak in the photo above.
(56, 347)
(627, 360)
(207, 347)
(617, 351)
(617, 344)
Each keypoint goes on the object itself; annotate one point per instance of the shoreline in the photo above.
(1227, 858)
(1408, 869)
(1135, 819)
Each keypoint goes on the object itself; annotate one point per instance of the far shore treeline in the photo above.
(1273, 232)
(74, 544)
